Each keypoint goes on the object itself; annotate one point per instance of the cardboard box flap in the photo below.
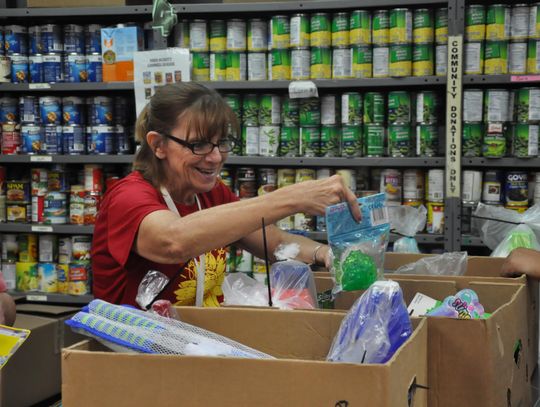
(31, 322)
(495, 295)
(46, 310)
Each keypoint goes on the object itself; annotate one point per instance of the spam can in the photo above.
(496, 58)
(300, 31)
(474, 58)
(218, 66)
(31, 139)
(498, 22)
(441, 25)
(381, 55)
(300, 63)
(200, 67)
(19, 68)
(52, 139)
(519, 22)
(340, 29)
(289, 141)
(330, 141)
(18, 191)
(257, 66)
(52, 68)
(51, 37)
(341, 63)
(74, 39)
(351, 141)
(533, 56)
(475, 22)
(280, 32)
(374, 139)
(380, 33)
(75, 68)
(74, 139)
(360, 27)
(73, 110)
(94, 68)
(400, 63)
(281, 64)
(101, 140)
(29, 109)
(517, 57)
(320, 26)
(423, 63)
(310, 140)
(236, 35)
(257, 35)
(35, 68)
(441, 59)
(423, 28)
(15, 39)
(400, 30)
(321, 63)
(218, 36)
(92, 34)
(362, 61)
(50, 110)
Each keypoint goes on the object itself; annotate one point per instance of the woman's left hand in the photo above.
(325, 256)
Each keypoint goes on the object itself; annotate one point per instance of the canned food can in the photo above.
(304, 174)
(399, 107)
(351, 108)
(320, 35)
(5, 68)
(51, 37)
(35, 68)
(48, 282)
(76, 205)
(218, 66)
(349, 178)
(101, 140)
(517, 58)
(31, 136)
(92, 33)
(281, 64)
(200, 67)
(400, 64)
(330, 142)
(471, 186)
(8, 110)
(91, 206)
(290, 111)
(9, 273)
(289, 141)
(198, 36)
(374, 136)
(11, 138)
(19, 212)
(400, 26)
(498, 22)
(269, 140)
(48, 248)
(435, 218)
(39, 183)
(79, 279)
(310, 141)
(15, 39)
(300, 30)
(422, 58)
(467, 209)
(257, 35)
(441, 60)
(472, 105)
(74, 139)
(341, 63)
(321, 63)
(534, 21)
(360, 27)
(351, 140)
(52, 68)
(57, 179)
(516, 189)
(218, 36)
(381, 55)
(524, 140)
(533, 53)
(435, 185)
(496, 58)
(497, 105)
(35, 45)
(26, 276)
(474, 58)
(19, 68)
(267, 180)
(527, 105)
(256, 66)
(380, 27)
(280, 31)
(65, 251)
(250, 108)
(246, 182)
(300, 63)
(52, 139)
(426, 107)
(362, 61)
(492, 188)
(269, 110)
(441, 25)
(330, 107)
(250, 140)
(413, 185)
(309, 112)
(182, 34)
(400, 142)
(475, 22)
(519, 22)
(374, 107)
(95, 68)
(28, 109)
(18, 191)
(93, 177)
(73, 110)
(75, 68)
(286, 177)
(38, 206)
(50, 110)
(100, 110)
(494, 145)
(28, 247)
(423, 27)
(234, 101)
(236, 35)
(340, 29)
(427, 140)
(74, 38)
(392, 184)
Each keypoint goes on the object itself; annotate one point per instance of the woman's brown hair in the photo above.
(203, 111)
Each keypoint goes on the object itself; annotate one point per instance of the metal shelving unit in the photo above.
(67, 159)
(56, 298)
(336, 162)
(13, 227)
(499, 79)
(507, 162)
(471, 241)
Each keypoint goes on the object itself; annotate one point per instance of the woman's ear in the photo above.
(155, 141)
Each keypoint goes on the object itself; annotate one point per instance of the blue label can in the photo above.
(35, 45)
(75, 68)
(516, 188)
(74, 140)
(52, 139)
(74, 39)
(8, 110)
(121, 110)
(92, 32)
(52, 68)
(35, 68)
(32, 139)
(55, 208)
(29, 109)
(19, 68)
(101, 140)
(101, 110)
(15, 39)
(2, 43)
(50, 110)
(123, 145)
(73, 110)
(95, 68)
(51, 38)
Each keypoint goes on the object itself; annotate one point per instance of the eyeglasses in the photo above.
(204, 147)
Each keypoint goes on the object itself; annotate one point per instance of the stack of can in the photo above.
(501, 122)
(502, 39)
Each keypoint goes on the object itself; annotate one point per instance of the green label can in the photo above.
(250, 140)
(300, 31)
(497, 105)
(290, 112)
(200, 66)
(269, 110)
(321, 63)
(289, 141)
(374, 138)
(534, 21)
(475, 22)
(380, 27)
(235, 102)
(423, 64)
(236, 35)
(498, 22)
(494, 145)
(423, 30)
(250, 107)
(399, 107)
(198, 36)
(330, 109)
(310, 141)
(527, 105)
(218, 36)
(474, 58)
(281, 64)
(236, 66)
(268, 141)
(329, 141)
(321, 35)
(374, 108)
(181, 34)
(360, 27)
(218, 66)
(519, 22)
(399, 140)
(310, 112)
(257, 35)
(533, 56)
(341, 63)
(427, 140)
(441, 59)
(362, 61)
(400, 64)
(400, 26)
(351, 141)
(524, 140)
(426, 107)
(340, 29)
(280, 30)
(496, 58)
(472, 139)
(351, 108)
(441, 25)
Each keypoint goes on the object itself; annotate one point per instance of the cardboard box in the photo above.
(93, 376)
(33, 373)
(473, 363)
(117, 48)
(74, 3)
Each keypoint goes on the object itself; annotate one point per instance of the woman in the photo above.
(172, 213)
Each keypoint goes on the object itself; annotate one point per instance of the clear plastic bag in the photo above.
(240, 289)
(150, 287)
(446, 264)
(407, 221)
(357, 249)
(164, 308)
(519, 236)
(375, 327)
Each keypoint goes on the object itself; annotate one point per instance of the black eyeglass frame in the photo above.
(192, 146)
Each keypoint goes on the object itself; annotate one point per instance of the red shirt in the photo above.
(118, 270)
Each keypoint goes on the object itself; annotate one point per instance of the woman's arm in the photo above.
(522, 261)
(7, 309)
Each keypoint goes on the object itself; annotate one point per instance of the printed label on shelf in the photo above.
(303, 89)
(34, 297)
(39, 86)
(525, 78)
(41, 158)
(42, 228)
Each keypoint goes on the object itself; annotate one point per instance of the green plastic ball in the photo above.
(359, 271)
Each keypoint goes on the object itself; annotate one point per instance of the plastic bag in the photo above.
(446, 264)
(150, 287)
(375, 327)
(464, 305)
(240, 289)
(357, 249)
(164, 308)
(519, 236)
(407, 221)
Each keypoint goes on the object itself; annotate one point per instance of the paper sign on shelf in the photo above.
(41, 158)
(10, 340)
(39, 86)
(158, 68)
(303, 89)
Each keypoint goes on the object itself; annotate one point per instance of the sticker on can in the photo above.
(400, 31)
(423, 31)
(362, 61)
(321, 63)
(310, 139)
(320, 35)
(360, 27)
(351, 141)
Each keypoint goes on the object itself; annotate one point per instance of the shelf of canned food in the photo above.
(316, 162)
(14, 227)
(421, 238)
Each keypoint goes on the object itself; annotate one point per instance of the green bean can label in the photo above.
(427, 140)
(281, 64)
(441, 25)
(400, 26)
(494, 145)
(351, 108)
(218, 66)
(236, 66)
(201, 66)
(235, 102)
(374, 107)
(218, 36)
(475, 22)
(300, 31)
(399, 107)
(472, 139)
(321, 63)
(524, 140)
(236, 35)
(496, 58)
(380, 61)
(533, 56)
(351, 141)
(310, 140)
(517, 58)
(381, 24)
(329, 141)
(362, 61)
(310, 112)
(340, 30)
(281, 32)
(321, 35)
(423, 30)
(330, 110)
(257, 35)
(360, 27)
(269, 110)
(289, 141)
(534, 21)
(374, 136)
(426, 107)
(250, 140)
(399, 140)
(341, 63)
(441, 59)
(400, 60)
(527, 105)
(498, 22)
(423, 63)
(250, 107)
(268, 141)
(290, 112)
(474, 58)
